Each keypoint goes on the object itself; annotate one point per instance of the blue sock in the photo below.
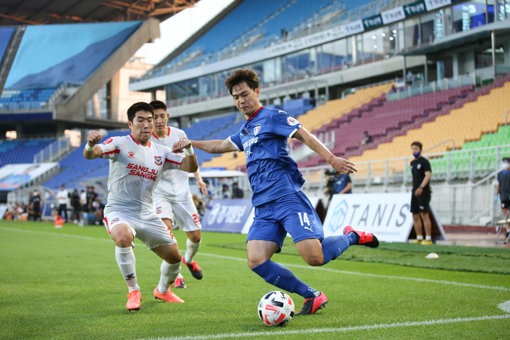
(334, 246)
(283, 278)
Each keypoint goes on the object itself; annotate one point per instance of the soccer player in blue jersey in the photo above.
(280, 205)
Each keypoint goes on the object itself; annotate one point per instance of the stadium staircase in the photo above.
(481, 111)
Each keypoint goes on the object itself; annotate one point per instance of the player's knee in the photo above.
(194, 237)
(314, 260)
(254, 262)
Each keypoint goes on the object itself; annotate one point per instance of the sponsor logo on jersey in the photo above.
(108, 141)
(158, 160)
(291, 121)
(115, 220)
(131, 154)
(142, 171)
(256, 130)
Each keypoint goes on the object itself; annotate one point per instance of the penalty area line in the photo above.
(342, 329)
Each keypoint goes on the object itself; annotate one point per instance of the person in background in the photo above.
(367, 139)
(224, 192)
(75, 203)
(236, 192)
(36, 206)
(62, 199)
(420, 197)
(503, 190)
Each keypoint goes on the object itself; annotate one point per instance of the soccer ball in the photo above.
(276, 309)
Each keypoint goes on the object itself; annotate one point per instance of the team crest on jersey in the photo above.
(159, 210)
(108, 141)
(291, 121)
(131, 154)
(256, 130)
(158, 160)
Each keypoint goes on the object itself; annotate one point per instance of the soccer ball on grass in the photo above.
(276, 309)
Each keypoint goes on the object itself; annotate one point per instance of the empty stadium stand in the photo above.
(479, 112)
(265, 22)
(485, 154)
(380, 118)
(21, 151)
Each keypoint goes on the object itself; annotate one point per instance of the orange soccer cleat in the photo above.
(134, 300)
(167, 296)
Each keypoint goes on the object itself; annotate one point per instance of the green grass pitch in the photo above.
(65, 284)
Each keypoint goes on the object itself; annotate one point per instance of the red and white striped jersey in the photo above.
(135, 171)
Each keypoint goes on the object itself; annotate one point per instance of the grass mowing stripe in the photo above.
(344, 329)
(454, 283)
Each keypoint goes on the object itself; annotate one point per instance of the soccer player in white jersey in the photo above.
(135, 167)
(172, 196)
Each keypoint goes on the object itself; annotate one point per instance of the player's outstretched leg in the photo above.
(169, 272)
(126, 261)
(179, 282)
(364, 237)
(279, 276)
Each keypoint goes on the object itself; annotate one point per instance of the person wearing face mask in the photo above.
(503, 190)
(420, 198)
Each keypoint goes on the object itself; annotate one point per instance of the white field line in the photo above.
(342, 329)
(394, 277)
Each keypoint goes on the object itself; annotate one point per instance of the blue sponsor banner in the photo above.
(228, 216)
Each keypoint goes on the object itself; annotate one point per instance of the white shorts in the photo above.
(183, 213)
(147, 227)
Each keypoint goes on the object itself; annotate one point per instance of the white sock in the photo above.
(191, 250)
(419, 237)
(169, 273)
(127, 265)
(428, 238)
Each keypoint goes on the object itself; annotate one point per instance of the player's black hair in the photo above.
(158, 104)
(140, 106)
(506, 159)
(418, 144)
(250, 77)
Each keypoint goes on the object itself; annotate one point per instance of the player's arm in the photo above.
(347, 188)
(91, 150)
(189, 163)
(200, 183)
(426, 180)
(214, 146)
(339, 164)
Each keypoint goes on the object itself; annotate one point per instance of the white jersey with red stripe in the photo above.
(134, 171)
(174, 184)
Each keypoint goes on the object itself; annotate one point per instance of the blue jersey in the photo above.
(271, 171)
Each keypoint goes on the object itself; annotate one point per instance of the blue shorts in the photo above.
(293, 214)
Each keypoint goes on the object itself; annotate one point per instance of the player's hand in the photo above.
(202, 187)
(180, 145)
(343, 166)
(94, 137)
(418, 192)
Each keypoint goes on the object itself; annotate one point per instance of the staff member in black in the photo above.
(504, 190)
(420, 198)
